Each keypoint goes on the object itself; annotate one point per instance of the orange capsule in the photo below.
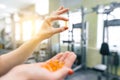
(48, 67)
(66, 23)
(53, 65)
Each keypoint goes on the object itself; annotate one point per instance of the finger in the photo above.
(62, 73)
(53, 18)
(58, 56)
(64, 10)
(60, 8)
(70, 59)
(58, 30)
(49, 20)
(64, 57)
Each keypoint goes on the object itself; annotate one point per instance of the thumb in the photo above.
(62, 73)
(61, 29)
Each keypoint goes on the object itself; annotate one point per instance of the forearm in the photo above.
(18, 56)
(14, 75)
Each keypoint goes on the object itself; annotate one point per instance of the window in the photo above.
(17, 31)
(17, 27)
(113, 31)
(74, 18)
(42, 7)
(27, 30)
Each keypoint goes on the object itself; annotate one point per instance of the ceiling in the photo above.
(13, 5)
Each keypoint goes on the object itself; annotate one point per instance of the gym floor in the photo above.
(85, 75)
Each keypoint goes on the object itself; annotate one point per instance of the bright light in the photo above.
(75, 17)
(107, 7)
(101, 10)
(7, 20)
(42, 7)
(17, 31)
(16, 17)
(114, 38)
(27, 30)
(2, 6)
(38, 24)
(8, 29)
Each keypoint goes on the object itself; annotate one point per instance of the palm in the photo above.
(37, 72)
(68, 58)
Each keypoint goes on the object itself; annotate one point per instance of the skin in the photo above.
(37, 72)
(10, 63)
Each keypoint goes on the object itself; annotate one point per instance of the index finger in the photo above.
(70, 59)
(61, 7)
(57, 17)
(64, 10)
(58, 56)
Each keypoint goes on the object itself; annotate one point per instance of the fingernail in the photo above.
(65, 28)
(71, 72)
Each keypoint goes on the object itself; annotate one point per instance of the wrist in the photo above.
(38, 38)
(10, 76)
(14, 75)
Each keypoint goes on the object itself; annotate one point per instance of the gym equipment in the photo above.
(115, 64)
(80, 49)
(81, 56)
(105, 46)
(113, 23)
(104, 51)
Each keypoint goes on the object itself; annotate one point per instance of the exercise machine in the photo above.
(78, 47)
(105, 51)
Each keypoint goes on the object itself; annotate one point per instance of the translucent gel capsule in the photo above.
(54, 65)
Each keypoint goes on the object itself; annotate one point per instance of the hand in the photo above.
(37, 72)
(67, 57)
(47, 30)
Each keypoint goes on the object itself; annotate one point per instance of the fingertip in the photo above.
(66, 19)
(63, 72)
(65, 27)
(67, 9)
(61, 7)
(66, 69)
(73, 54)
(70, 72)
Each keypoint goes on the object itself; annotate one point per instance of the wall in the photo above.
(93, 56)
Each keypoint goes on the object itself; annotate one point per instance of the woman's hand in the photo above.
(37, 72)
(47, 30)
(67, 57)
